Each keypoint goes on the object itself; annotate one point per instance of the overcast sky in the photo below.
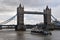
(8, 9)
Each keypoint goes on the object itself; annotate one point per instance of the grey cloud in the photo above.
(27, 3)
(11, 2)
(8, 5)
(30, 3)
(33, 3)
(36, 18)
(5, 9)
(41, 3)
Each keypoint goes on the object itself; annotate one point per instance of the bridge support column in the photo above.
(47, 18)
(20, 19)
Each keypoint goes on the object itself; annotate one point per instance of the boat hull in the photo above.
(42, 32)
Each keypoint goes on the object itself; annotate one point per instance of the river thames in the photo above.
(11, 34)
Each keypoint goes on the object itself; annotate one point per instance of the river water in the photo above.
(10, 34)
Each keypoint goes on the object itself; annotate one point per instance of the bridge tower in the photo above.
(20, 19)
(47, 18)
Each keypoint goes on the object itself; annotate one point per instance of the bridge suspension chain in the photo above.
(8, 20)
(55, 20)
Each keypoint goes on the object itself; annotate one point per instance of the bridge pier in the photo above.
(20, 19)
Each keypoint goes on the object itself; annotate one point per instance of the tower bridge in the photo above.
(20, 18)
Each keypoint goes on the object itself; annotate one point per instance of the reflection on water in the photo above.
(13, 35)
(47, 38)
(20, 36)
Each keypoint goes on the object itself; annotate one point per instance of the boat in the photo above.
(47, 33)
(40, 31)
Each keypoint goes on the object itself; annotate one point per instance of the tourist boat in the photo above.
(40, 31)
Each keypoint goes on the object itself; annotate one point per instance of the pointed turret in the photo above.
(47, 7)
(20, 5)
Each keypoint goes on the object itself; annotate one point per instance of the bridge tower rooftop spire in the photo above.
(47, 8)
(20, 5)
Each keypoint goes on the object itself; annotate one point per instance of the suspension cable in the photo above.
(6, 21)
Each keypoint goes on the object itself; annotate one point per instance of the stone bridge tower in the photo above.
(20, 18)
(47, 18)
